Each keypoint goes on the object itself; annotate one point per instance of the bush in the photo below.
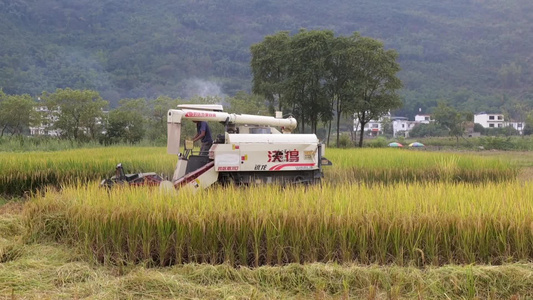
(479, 128)
(496, 143)
(425, 130)
(378, 142)
(345, 141)
(505, 131)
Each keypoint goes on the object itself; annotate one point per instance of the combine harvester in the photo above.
(251, 151)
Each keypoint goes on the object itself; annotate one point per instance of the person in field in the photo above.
(203, 133)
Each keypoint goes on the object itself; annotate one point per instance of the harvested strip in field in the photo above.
(404, 224)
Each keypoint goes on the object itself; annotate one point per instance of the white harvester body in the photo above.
(251, 151)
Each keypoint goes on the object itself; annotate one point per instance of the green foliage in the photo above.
(126, 124)
(157, 121)
(307, 70)
(479, 128)
(16, 113)
(77, 113)
(269, 68)
(427, 130)
(401, 139)
(321, 76)
(504, 131)
(386, 126)
(345, 141)
(244, 103)
(290, 72)
(376, 91)
(146, 49)
(528, 128)
(496, 143)
(451, 119)
(379, 142)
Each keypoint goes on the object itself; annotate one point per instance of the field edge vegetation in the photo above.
(51, 270)
(272, 225)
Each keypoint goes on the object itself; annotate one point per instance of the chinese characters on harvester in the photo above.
(283, 156)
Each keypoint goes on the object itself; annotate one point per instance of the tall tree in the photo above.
(78, 113)
(269, 68)
(305, 86)
(376, 83)
(322, 75)
(339, 81)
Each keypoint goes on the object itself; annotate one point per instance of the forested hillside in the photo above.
(475, 53)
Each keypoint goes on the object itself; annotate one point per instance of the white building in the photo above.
(489, 120)
(497, 121)
(401, 126)
(48, 118)
(519, 126)
(423, 119)
(374, 127)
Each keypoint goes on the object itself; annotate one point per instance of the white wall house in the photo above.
(489, 120)
(374, 127)
(423, 119)
(401, 126)
(497, 121)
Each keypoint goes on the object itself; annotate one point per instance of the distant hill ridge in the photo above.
(476, 53)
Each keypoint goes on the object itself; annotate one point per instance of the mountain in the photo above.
(477, 54)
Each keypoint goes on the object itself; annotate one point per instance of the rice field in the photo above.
(401, 224)
(385, 223)
(32, 171)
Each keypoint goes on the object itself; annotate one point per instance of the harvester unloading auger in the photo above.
(251, 151)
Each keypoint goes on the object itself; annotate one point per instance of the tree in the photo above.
(528, 128)
(157, 122)
(305, 87)
(479, 128)
(451, 119)
(318, 76)
(127, 122)
(269, 68)
(16, 113)
(78, 113)
(340, 85)
(376, 83)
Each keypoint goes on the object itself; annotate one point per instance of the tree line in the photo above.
(320, 77)
(83, 115)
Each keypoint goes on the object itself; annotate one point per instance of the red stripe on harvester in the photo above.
(279, 167)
